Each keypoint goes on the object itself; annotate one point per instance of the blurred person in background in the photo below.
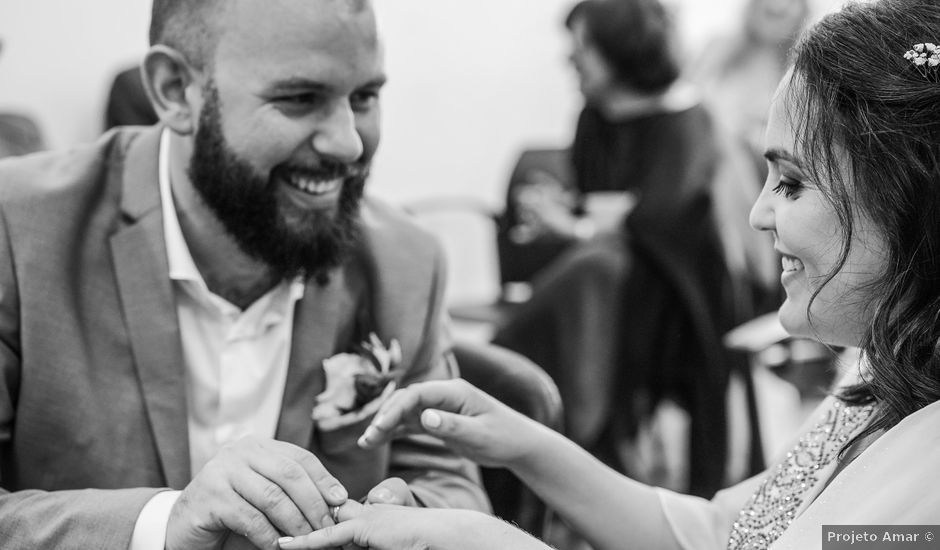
(628, 320)
(127, 103)
(738, 73)
(19, 134)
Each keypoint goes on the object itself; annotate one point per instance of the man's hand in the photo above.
(259, 488)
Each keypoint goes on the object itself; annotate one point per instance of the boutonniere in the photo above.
(357, 383)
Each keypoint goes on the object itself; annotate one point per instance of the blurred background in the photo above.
(471, 85)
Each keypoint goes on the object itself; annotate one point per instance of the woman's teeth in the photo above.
(790, 263)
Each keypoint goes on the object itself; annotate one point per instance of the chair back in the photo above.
(519, 259)
(524, 386)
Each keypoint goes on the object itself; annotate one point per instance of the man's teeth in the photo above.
(315, 187)
(790, 263)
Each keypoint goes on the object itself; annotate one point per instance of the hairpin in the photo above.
(925, 58)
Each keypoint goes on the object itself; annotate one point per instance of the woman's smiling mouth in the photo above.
(790, 263)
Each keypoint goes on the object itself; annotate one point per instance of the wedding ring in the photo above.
(334, 513)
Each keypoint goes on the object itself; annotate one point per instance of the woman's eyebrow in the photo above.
(775, 154)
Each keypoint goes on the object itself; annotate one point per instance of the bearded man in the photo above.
(168, 297)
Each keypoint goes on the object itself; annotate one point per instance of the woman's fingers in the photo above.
(402, 409)
(341, 534)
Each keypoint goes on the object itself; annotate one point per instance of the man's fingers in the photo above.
(306, 485)
(252, 524)
(268, 497)
(330, 488)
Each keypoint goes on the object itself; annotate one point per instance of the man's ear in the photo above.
(173, 87)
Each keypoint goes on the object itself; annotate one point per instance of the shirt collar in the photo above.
(182, 266)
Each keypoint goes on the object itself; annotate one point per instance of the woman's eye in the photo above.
(788, 187)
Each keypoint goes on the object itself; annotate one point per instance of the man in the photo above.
(168, 296)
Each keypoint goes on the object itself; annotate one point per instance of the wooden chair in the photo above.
(524, 386)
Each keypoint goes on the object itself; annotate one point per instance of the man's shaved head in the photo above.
(188, 26)
(192, 26)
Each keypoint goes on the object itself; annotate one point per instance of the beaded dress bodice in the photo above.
(795, 481)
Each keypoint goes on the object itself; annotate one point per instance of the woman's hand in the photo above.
(469, 421)
(544, 205)
(384, 527)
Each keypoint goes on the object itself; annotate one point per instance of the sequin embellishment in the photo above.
(773, 507)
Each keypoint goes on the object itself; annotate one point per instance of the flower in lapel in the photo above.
(357, 383)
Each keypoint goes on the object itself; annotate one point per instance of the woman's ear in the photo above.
(167, 76)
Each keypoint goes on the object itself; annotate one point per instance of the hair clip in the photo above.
(925, 58)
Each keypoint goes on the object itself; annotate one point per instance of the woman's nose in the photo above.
(761, 217)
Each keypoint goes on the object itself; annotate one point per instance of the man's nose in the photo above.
(336, 136)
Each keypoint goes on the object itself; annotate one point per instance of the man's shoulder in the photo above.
(47, 173)
(395, 242)
(391, 224)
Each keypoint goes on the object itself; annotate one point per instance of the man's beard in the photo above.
(313, 243)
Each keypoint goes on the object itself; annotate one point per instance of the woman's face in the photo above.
(808, 237)
(595, 75)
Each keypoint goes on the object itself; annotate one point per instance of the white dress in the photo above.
(894, 481)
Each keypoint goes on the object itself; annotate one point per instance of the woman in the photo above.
(633, 311)
(851, 200)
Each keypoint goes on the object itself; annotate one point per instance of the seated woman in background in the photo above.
(851, 200)
(632, 314)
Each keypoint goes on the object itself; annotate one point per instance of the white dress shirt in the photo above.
(235, 362)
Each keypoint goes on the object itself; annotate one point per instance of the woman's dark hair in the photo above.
(856, 98)
(634, 36)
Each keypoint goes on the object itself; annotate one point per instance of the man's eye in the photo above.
(363, 101)
(297, 104)
(788, 187)
(296, 98)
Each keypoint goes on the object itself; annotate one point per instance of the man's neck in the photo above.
(224, 266)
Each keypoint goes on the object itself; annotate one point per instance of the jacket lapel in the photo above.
(401, 280)
(315, 337)
(139, 253)
(392, 270)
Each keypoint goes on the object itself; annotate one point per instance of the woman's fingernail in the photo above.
(339, 493)
(382, 495)
(284, 540)
(431, 419)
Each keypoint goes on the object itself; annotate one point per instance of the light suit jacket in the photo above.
(92, 397)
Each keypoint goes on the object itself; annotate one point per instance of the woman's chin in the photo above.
(793, 319)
